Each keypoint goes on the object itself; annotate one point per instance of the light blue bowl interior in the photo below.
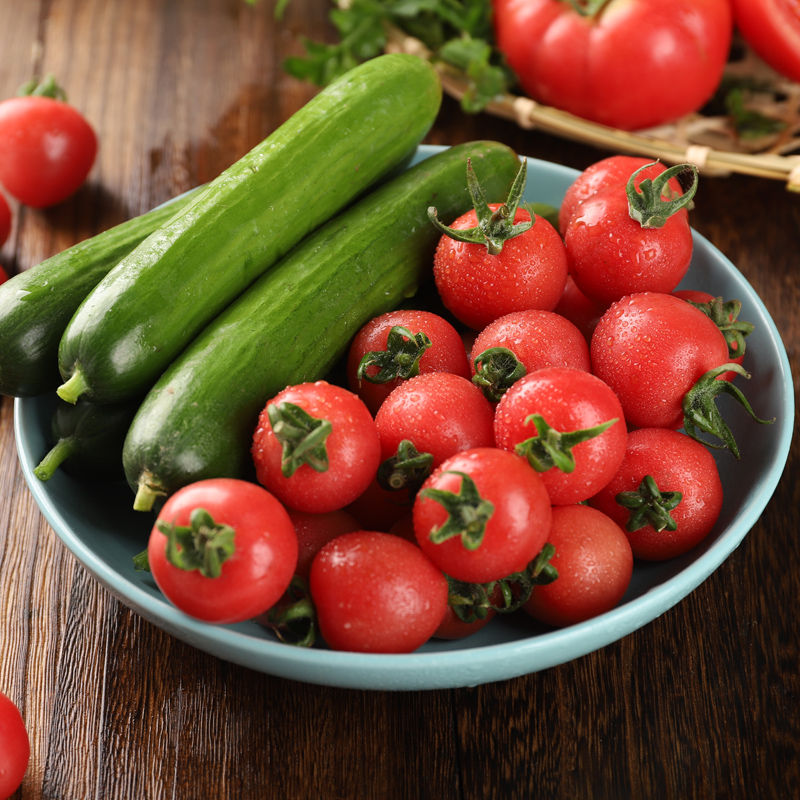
(97, 524)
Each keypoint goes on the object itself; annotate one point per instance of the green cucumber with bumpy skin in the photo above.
(297, 321)
(36, 305)
(151, 306)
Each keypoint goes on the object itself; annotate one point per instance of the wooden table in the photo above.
(701, 703)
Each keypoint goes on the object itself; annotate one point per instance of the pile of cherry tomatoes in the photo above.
(515, 449)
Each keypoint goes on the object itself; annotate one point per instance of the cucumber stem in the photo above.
(59, 453)
(73, 388)
(146, 493)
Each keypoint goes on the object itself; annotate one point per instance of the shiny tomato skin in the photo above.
(569, 400)
(772, 29)
(514, 534)
(353, 449)
(5, 219)
(48, 150)
(611, 255)
(582, 312)
(442, 414)
(478, 287)
(258, 572)
(377, 593)
(593, 66)
(678, 464)
(446, 353)
(651, 348)
(15, 749)
(595, 565)
(316, 530)
(614, 170)
(537, 338)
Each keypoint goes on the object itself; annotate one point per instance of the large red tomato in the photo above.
(629, 64)
(772, 29)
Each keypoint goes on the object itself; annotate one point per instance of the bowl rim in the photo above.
(446, 668)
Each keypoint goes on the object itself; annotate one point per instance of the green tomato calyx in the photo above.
(725, 316)
(700, 412)
(472, 602)
(646, 203)
(203, 545)
(496, 369)
(494, 226)
(302, 436)
(650, 506)
(468, 513)
(552, 448)
(400, 359)
(406, 470)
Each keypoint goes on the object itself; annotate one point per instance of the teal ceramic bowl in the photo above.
(102, 531)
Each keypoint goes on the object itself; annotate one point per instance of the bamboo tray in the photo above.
(709, 142)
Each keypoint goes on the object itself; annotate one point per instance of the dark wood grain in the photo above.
(701, 703)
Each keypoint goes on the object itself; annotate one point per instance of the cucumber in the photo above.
(149, 307)
(297, 321)
(36, 305)
(88, 440)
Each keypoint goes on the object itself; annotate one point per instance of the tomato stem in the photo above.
(400, 359)
(47, 87)
(646, 203)
(203, 545)
(294, 619)
(494, 226)
(467, 513)
(496, 370)
(725, 317)
(302, 436)
(700, 412)
(473, 601)
(588, 8)
(407, 469)
(650, 506)
(552, 448)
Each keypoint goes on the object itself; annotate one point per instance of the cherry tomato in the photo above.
(48, 149)
(439, 413)
(5, 220)
(522, 342)
(316, 447)
(478, 287)
(382, 354)
(612, 253)
(611, 171)
(315, 530)
(582, 312)
(595, 565)
(660, 524)
(592, 65)
(664, 359)
(482, 515)
(222, 550)
(3, 276)
(375, 592)
(569, 425)
(772, 29)
(15, 749)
